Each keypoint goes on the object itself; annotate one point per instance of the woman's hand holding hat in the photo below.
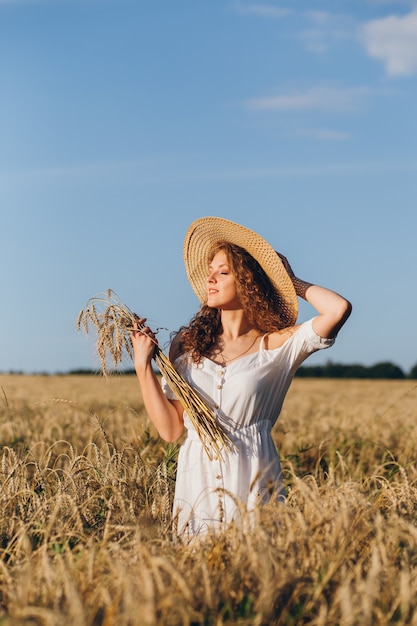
(300, 286)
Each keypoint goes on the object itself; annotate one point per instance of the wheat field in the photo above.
(85, 522)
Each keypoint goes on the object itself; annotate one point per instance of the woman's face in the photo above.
(221, 284)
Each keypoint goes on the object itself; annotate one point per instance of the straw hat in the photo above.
(206, 231)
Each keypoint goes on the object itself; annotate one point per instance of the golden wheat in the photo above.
(85, 527)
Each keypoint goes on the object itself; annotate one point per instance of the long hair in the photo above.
(259, 299)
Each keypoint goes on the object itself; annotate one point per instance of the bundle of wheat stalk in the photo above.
(114, 323)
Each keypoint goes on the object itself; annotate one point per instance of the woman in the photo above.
(240, 353)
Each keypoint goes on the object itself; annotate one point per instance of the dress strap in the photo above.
(262, 342)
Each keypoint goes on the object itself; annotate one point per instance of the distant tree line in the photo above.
(384, 370)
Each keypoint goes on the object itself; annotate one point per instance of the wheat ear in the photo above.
(114, 323)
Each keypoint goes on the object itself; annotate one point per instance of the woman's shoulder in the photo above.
(279, 337)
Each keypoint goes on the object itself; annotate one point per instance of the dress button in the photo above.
(219, 386)
(218, 476)
(216, 406)
(221, 373)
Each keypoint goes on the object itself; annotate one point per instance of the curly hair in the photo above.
(260, 301)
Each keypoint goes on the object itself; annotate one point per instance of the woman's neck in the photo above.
(235, 324)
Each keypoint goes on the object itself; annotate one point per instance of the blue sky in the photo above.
(121, 121)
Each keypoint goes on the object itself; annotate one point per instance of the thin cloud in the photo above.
(65, 173)
(393, 40)
(132, 171)
(320, 17)
(322, 28)
(325, 29)
(263, 10)
(407, 3)
(323, 134)
(11, 3)
(301, 171)
(314, 99)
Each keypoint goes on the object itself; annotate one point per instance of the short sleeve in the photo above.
(167, 389)
(304, 342)
(312, 338)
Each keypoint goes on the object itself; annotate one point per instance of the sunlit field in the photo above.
(85, 518)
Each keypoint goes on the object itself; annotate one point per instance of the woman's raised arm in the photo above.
(333, 309)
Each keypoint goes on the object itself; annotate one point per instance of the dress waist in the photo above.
(244, 433)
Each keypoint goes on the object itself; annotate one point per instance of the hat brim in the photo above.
(203, 233)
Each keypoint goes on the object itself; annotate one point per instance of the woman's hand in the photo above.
(143, 343)
(167, 415)
(300, 286)
(286, 265)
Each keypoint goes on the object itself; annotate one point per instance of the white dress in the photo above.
(247, 396)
